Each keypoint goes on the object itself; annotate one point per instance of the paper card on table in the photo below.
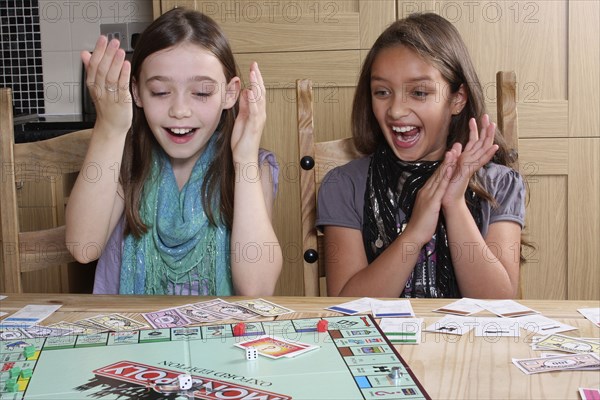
(464, 306)
(558, 363)
(230, 311)
(29, 315)
(593, 314)
(353, 307)
(275, 347)
(452, 324)
(46, 331)
(493, 327)
(2, 297)
(539, 324)
(90, 327)
(117, 322)
(169, 318)
(2, 313)
(568, 344)
(392, 308)
(402, 330)
(589, 393)
(198, 314)
(548, 355)
(74, 328)
(264, 307)
(506, 308)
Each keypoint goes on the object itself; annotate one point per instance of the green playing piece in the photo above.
(12, 387)
(14, 372)
(26, 373)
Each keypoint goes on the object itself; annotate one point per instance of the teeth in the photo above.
(181, 131)
(403, 129)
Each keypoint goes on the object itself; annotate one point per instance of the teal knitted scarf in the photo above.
(182, 252)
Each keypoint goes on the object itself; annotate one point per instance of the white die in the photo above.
(185, 381)
(251, 353)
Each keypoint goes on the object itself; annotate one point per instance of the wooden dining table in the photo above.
(448, 366)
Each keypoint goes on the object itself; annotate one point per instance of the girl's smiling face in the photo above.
(183, 91)
(412, 104)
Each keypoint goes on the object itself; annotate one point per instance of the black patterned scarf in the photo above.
(392, 185)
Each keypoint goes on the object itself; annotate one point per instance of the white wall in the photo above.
(68, 27)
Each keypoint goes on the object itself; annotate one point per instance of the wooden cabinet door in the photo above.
(552, 45)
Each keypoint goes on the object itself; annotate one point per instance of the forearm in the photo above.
(256, 257)
(349, 275)
(89, 213)
(479, 271)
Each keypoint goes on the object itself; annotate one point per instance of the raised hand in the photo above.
(249, 124)
(428, 203)
(478, 151)
(107, 78)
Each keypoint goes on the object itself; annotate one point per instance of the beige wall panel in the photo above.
(538, 157)
(528, 37)
(539, 119)
(584, 68)
(584, 218)
(280, 136)
(375, 16)
(305, 35)
(544, 276)
(281, 70)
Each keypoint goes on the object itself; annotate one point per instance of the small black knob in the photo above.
(307, 163)
(311, 256)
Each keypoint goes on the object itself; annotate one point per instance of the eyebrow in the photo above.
(423, 78)
(198, 78)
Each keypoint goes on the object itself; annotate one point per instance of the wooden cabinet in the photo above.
(553, 45)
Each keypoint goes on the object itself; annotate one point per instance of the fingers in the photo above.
(106, 68)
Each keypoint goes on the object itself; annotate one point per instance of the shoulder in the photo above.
(341, 195)
(507, 187)
(498, 178)
(354, 172)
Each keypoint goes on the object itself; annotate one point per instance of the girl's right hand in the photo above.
(107, 78)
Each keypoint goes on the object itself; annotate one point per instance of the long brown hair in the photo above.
(438, 42)
(170, 29)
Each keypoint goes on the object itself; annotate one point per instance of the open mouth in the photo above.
(407, 134)
(181, 132)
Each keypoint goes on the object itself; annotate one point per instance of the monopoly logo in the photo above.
(146, 375)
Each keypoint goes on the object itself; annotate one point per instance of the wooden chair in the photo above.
(43, 160)
(317, 158)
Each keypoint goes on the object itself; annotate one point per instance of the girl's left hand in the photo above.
(478, 151)
(249, 124)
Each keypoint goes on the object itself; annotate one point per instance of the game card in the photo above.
(117, 322)
(464, 307)
(540, 324)
(568, 344)
(402, 330)
(169, 318)
(589, 393)
(494, 327)
(392, 308)
(264, 307)
(274, 347)
(593, 314)
(353, 307)
(558, 363)
(29, 315)
(506, 308)
(452, 324)
(74, 328)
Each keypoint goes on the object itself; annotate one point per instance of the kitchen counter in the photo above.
(33, 128)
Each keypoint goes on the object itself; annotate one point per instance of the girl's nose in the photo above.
(180, 108)
(398, 107)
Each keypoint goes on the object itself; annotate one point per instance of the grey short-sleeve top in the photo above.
(341, 196)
